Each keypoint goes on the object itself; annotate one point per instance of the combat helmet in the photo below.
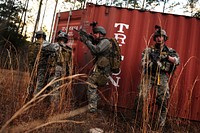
(160, 32)
(40, 34)
(62, 36)
(99, 29)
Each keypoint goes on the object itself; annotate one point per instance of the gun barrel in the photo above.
(76, 30)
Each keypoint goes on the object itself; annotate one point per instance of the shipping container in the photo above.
(134, 29)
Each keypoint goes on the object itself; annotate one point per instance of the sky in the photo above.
(178, 9)
(65, 6)
(48, 14)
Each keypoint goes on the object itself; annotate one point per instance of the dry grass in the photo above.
(111, 122)
(36, 115)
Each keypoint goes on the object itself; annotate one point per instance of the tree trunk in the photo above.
(53, 20)
(164, 5)
(37, 20)
(26, 7)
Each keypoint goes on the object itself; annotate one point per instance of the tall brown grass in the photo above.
(33, 115)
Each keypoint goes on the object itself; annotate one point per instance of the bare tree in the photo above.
(37, 20)
(24, 13)
(151, 4)
(83, 2)
(165, 1)
(192, 4)
(53, 19)
(191, 7)
(197, 14)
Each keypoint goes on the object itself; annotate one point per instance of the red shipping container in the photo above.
(133, 29)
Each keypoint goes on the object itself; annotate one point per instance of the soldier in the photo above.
(63, 60)
(33, 57)
(102, 69)
(64, 53)
(158, 62)
(46, 65)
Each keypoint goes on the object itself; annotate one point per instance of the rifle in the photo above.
(85, 34)
(155, 56)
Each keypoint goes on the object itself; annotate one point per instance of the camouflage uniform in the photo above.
(63, 58)
(62, 67)
(99, 76)
(33, 54)
(158, 62)
(33, 51)
(100, 48)
(62, 61)
(46, 67)
(156, 74)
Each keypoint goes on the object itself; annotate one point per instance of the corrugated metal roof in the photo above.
(134, 29)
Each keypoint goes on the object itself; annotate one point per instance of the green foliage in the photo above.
(191, 7)
(197, 14)
(10, 23)
(13, 44)
(153, 3)
(134, 3)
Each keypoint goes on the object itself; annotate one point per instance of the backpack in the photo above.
(115, 56)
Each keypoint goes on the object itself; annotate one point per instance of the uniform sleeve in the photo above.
(101, 47)
(174, 54)
(50, 47)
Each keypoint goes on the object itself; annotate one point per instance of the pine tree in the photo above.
(10, 23)
(12, 42)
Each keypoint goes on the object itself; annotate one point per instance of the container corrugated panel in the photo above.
(134, 29)
(67, 22)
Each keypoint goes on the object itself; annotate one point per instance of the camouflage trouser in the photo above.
(44, 78)
(95, 79)
(41, 80)
(55, 76)
(162, 95)
(56, 93)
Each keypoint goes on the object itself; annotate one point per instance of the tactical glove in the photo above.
(164, 56)
(83, 38)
